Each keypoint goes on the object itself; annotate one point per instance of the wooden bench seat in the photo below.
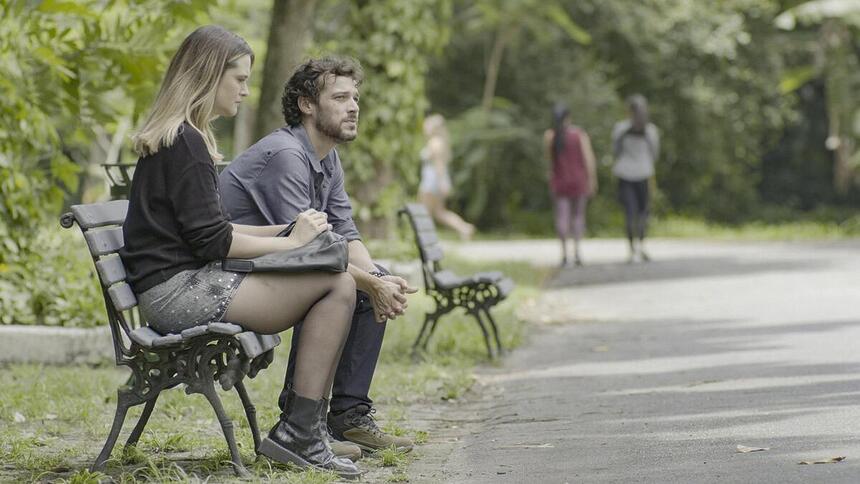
(476, 293)
(196, 357)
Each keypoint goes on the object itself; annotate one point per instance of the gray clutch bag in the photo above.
(327, 252)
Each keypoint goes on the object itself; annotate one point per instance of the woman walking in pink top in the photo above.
(572, 180)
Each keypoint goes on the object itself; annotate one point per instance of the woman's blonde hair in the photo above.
(189, 88)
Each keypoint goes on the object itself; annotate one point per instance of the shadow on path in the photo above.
(666, 269)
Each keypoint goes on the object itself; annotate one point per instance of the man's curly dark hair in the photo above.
(309, 79)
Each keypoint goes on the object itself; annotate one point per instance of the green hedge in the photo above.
(53, 285)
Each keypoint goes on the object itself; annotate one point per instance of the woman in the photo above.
(176, 235)
(573, 178)
(635, 144)
(435, 183)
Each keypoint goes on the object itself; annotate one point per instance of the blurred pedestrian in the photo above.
(435, 184)
(572, 180)
(635, 145)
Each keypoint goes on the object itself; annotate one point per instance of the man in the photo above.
(296, 168)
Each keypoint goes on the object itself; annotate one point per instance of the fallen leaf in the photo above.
(744, 449)
(19, 418)
(831, 460)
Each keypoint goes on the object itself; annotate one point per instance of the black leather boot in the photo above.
(297, 439)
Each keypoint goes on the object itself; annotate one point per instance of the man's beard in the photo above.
(327, 126)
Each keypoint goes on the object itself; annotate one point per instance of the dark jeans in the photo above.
(357, 363)
(634, 198)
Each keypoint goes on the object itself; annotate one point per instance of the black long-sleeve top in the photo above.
(174, 219)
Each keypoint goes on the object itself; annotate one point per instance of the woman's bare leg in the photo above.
(436, 206)
(271, 303)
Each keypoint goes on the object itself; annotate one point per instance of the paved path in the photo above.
(657, 372)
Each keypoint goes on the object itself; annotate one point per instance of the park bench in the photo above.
(476, 294)
(196, 358)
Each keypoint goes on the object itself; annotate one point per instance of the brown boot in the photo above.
(339, 448)
(357, 425)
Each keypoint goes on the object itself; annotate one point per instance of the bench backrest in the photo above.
(426, 238)
(101, 225)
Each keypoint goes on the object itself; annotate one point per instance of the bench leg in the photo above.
(495, 329)
(208, 389)
(123, 402)
(141, 423)
(431, 331)
(250, 413)
(477, 315)
(420, 342)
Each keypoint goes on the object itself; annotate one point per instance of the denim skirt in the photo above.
(189, 298)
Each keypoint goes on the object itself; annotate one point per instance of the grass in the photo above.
(771, 227)
(684, 227)
(54, 419)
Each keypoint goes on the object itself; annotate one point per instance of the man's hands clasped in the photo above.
(387, 293)
(388, 296)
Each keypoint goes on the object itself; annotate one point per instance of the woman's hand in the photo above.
(309, 224)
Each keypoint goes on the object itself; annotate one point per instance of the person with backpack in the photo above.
(635, 145)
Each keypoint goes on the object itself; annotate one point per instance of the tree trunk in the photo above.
(290, 33)
(243, 130)
(503, 36)
(839, 68)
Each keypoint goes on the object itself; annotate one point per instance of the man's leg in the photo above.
(627, 196)
(357, 364)
(643, 209)
(351, 410)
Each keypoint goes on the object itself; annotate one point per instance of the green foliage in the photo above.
(722, 80)
(392, 457)
(493, 147)
(69, 73)
(52, 283)
(499, 167)
(67, 68)
(84, 476)
(393, 40)
(711, 72)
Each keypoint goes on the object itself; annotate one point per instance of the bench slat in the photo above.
(105, 241)
(420, 217)
(505, 286)
(423, 224)
(416, 209)
(427, 239)
(432, 254)
(122, 297)
(100, 214)
(256, 344)
(111, 270)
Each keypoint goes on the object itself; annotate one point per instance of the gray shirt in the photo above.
(634, 154)
(279, 177)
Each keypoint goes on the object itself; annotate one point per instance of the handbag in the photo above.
(327, 252)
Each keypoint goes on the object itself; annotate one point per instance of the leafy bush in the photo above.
(51, 284)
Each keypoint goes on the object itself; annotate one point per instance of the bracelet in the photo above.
(377, 273)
